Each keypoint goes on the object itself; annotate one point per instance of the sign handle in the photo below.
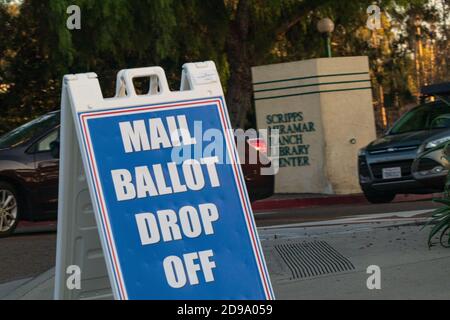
(158, 81)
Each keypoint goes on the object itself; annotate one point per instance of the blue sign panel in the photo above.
(174, 212)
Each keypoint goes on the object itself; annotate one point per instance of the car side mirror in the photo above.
(54, 149)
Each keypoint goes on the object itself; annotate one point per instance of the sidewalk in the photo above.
(409, 270)
(38, 288)
(302, 200)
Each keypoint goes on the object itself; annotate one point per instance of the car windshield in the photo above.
(425, 117)
(29, 130)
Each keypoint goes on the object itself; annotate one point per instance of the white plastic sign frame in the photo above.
(224, 262)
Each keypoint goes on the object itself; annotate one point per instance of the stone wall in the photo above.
(324, 113)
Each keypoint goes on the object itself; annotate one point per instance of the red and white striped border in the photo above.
(84, 117)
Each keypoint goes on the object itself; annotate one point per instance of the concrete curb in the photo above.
(11, 286)
(303, 201)
(29, 289)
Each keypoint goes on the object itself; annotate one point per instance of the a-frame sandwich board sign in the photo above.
(146, 209)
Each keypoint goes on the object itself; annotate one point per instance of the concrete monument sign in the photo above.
(324, 113)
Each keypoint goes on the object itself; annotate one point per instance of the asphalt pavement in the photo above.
(26, 255)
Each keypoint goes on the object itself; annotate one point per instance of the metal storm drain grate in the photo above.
(309, 259)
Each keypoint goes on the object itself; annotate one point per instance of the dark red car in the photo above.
(29, 168)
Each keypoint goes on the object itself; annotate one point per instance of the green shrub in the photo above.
(441, 216)
(441, 223)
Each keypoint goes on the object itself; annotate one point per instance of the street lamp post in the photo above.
(418, 53)
(326, 27)
(432, 52)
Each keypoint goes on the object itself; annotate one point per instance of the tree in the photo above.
(27, 69)
(37, 49)
(254, 29)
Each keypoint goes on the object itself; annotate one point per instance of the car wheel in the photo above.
(378, 197)
(9, 209)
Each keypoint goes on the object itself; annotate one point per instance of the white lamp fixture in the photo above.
(326, 27)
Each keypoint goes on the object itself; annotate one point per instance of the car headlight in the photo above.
(437, 142)
(362, 152)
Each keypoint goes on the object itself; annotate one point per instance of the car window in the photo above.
(29, 130)
(44, 144)
(426, 117)
(442, 121)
